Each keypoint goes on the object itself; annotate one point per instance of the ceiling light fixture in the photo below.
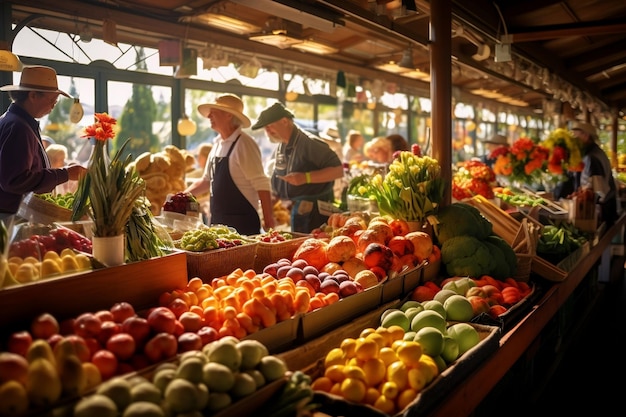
(85, 34)
(483, 52)
(282, 41)
(229, 24)
(109, 32)
(8, 60)
(315, 47)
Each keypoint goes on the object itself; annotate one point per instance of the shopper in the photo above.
(379, 150)
(57, 155)
(398, 143)
(597, 174)
(305, 167)
(353, 148)
(202, 156)
(490, 145)
(24, 165)
(234, 174)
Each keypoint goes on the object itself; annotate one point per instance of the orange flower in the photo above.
(102, 129)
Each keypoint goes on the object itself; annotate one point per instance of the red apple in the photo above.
(104, 315)
(67, 326)
(376, 254)
(191, 322)
(161, 347)
(54, 339)
(380, 273)
(106, 362)
(189, 341)
(19, 342)
(93, 345)
(178, 328)
(423, 293)
(13, 367)
(208, 334)
(138, 328)
(121, 311)
(162, 319)
(43, 326)
(122, 345)
(87, 325)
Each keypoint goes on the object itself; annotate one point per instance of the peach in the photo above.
(377, 254)
(422, 244)
(423, 293)
(13, 367)
(106, 362)
(138, 328)
(314, 281)
(162, 319)
(353, 266)
(310, 269)
(382, 228)
(178, 306)
(108, 329)
(104, 315)
(87, 325)
(401, 246)
(19, 342)
(296, 274)
(368, 237)
(83, 350)
(161, 347)
(189, 341)
(121, 311)
(208, 334)
(366, 279)
(399, 227)
(271, 269)
(479, 304)
(300, 263)
(347, 288)
(122, 345)
(329, 285)
(282, 271)
(191, 321)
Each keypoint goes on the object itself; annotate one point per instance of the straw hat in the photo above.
(497, 140)
(37, 78)
(229, 103)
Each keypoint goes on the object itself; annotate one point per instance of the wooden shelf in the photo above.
(471, 392)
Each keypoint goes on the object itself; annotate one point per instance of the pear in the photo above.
(119, 390)
(8, 279)
(72, 375)
(95, 405)
(191, 370)
(93, 377)
(163, 377)
(50, 267)
(181, 396)
(68, 263)
(13, 399)
(43, 384)
(251, 353)
(64, 348)
(27, 272)
(83, 261)
(146, 391)
(143, 409)
(40, 349)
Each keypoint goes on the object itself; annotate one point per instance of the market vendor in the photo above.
(305, 167)
(24, 165)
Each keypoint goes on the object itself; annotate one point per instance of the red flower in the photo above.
(102, 129)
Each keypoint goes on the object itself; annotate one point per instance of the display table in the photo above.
(470, 393)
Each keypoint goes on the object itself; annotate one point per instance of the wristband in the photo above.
(307, 175)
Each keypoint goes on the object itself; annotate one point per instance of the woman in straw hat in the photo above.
(234, 173)
(24, 165)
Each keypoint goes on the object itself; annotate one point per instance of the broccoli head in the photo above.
(459, 219)
(466, 256)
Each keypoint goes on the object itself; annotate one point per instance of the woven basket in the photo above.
(37, 210)
(267, 253)
(525, 248)
(219, 262)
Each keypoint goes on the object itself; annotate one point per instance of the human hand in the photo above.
(75, 171)
(294, 178)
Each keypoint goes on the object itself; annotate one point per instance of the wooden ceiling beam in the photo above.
(559, 31)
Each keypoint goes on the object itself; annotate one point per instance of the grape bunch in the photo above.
(274, 236)
(181, 202)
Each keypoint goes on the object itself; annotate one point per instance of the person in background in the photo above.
(489, 145)
(57, 155)
(233, 174)
(398, 143)
(379, 150)
(47, 141)
(305, 168)
(353, 148)
(202, 156)
(24, 165)
(597, 174)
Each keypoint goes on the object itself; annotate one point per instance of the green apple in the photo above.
(466, 336)
(450, 349)
(428, 318)
(395, 317)
(458, 308)
(437, 306)
(431, 340)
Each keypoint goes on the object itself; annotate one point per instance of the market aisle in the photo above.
(585, 378)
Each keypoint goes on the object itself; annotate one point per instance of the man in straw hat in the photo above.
(597, 173)
(305, 167)
(234, 173)
(24, 165)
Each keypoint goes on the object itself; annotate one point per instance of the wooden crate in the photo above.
(139, 283)
(267, 253)
(216, 263)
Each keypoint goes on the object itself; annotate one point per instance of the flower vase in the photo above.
(109, 250)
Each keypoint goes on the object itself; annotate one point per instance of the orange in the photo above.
(389, 389)
(374, 370)
(386, 405)
(322, 383)
(365, 349)
(334, 357)
(398, 373)
(405, 398)
(335, 373)
(371, 395)
(348, 345)
(387, 355)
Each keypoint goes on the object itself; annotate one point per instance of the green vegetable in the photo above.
(509, 258)
(466, 256)
(461, 219)
(294, 399)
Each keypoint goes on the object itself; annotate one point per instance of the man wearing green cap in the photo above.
(305, 167)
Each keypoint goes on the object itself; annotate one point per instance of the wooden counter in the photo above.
(464, 399)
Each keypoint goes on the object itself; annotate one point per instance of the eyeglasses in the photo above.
(52, 97)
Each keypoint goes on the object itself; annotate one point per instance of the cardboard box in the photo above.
(413, 278)
(392, 288)
(279, 337)
(139, 283)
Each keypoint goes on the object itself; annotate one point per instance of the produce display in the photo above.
(557, 241)
(274, 236)
(56, 240)
(181, 202)
(32, 269)
(63, 200)
(211, 237)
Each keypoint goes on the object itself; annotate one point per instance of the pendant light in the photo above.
(76, 111)
(186, 126)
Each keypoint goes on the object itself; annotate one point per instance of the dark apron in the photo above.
(228, 205)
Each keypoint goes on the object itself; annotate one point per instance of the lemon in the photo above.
(366, 349)
(334, 357)
(386, 405)
(409, 352)
(397, 332)
(386, 334)
(431, 365)
(389, 389)
(354, 372)
(387, 355)
(417, 379)
(374, 370)
(378, 338)
(371, 395)
(367, 331)
(398, 373)
(348, 345)
(353, 389)
(405, 398)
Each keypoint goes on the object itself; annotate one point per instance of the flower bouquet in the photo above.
(107, 192)
(521, 164)
(565, 152)
(473, 178)
(412, 190)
